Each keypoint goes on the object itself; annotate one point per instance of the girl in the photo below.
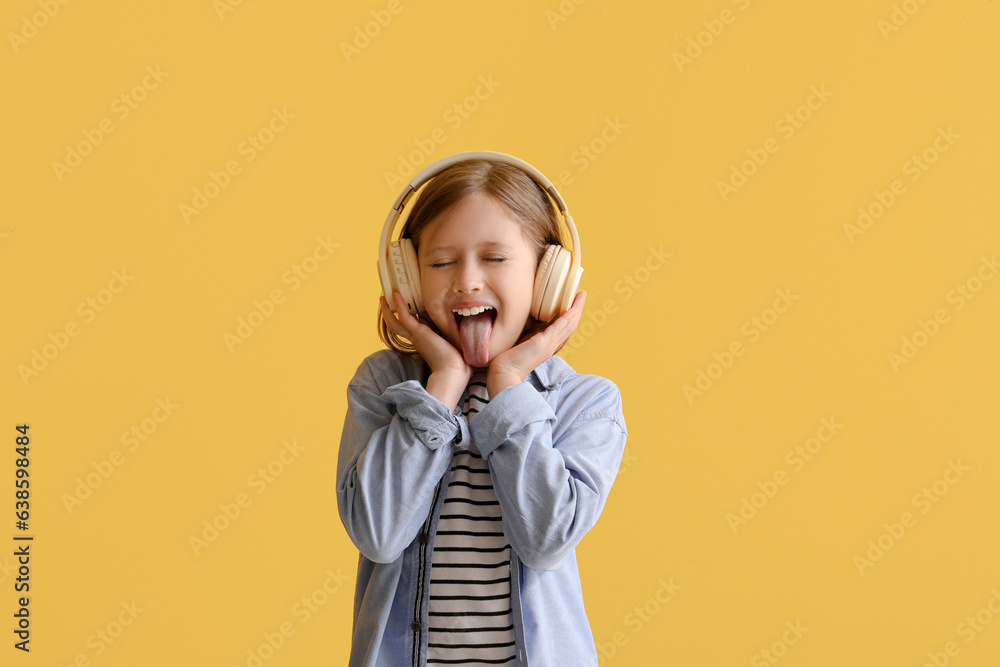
(473, 459)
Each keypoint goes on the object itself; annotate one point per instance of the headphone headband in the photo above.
(435, 168)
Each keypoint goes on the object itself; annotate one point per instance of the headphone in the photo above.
(557, 277)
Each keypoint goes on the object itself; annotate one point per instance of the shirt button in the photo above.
(422, 538)
(416, 626)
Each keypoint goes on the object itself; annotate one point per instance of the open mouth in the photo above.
(492, 313)
(474, 333)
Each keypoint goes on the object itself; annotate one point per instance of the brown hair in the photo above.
(510, 187)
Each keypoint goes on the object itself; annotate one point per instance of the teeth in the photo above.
(466, 312)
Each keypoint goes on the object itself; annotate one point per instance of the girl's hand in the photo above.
(439, 354)
(513, 365)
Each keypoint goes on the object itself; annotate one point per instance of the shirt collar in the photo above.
(547, 375)
(550, 373)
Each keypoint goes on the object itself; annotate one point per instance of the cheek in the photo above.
(432, 297)
(517, 317)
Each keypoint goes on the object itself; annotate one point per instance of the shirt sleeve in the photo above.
(395, 447)
(551, 491)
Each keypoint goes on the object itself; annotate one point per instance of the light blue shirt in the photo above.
(553, 444)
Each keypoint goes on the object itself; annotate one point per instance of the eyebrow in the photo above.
(484, 244)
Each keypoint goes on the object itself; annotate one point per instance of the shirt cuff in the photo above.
(428, 416)
(507, 413)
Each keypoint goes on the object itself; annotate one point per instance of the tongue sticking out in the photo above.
(475, 331)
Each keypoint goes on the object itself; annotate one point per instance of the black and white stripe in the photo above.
(470, 619)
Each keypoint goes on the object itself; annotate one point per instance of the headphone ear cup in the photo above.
(541, 278)
(405, 275)
(550, 283)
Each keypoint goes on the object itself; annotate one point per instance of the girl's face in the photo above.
(475, 254)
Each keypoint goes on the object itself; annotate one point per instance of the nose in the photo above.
(468, 277)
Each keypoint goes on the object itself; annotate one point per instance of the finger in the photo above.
(395, 326)
(576, 305)
(566, 324)
(387, 314)
(384, 305)
(404, 313)
(575, 311)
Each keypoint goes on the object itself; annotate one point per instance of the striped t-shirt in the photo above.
(469, 608)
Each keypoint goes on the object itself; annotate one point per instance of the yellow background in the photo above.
(562, 76)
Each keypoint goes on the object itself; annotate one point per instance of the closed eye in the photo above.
(488, 259)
